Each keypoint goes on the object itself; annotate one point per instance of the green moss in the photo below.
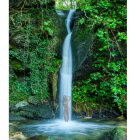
(115, 134)
(26, 114)
(118, 133)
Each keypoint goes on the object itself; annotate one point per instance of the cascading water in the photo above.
(58, 129)
(66, 69)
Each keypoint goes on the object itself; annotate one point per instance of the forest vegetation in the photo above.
(35, 58)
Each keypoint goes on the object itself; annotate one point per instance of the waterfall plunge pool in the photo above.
(60, 130)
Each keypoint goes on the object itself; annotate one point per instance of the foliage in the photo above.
(33, 56)
(65, 4)
(106, 20)
(107, 88)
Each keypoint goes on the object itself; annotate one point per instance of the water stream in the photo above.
(60, 130)
(66, 69)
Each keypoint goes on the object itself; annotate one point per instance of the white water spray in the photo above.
(66, 69)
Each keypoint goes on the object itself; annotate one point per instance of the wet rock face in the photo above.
(105, 114)
(80, 48)
(36, 112)
(14, 117)
(84, 70)
(62, 31)
(81, 42)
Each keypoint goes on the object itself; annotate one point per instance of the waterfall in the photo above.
(66, 68)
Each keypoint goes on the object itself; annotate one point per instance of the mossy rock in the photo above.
(12, 107)
(21, 104)
(26, 114)
(43, 111)
(29, 108)
(34, 100)
(15, 117)
(117, 133)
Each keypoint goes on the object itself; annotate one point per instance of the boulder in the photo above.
(26, 114)
(21, 104)
(17, 135)
(117, 133)
(13, 116)
(36, 112)
(43, 111)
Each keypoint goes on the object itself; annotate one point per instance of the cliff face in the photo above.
(81, 44)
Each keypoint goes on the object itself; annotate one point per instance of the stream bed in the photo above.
(83, 129)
